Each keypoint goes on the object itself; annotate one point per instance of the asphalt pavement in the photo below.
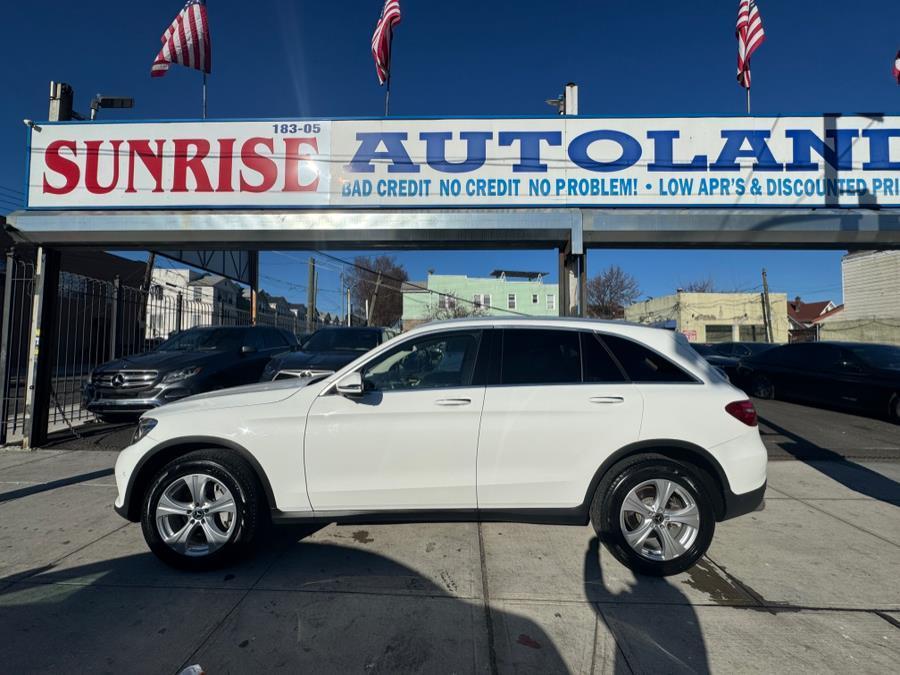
(808, 584)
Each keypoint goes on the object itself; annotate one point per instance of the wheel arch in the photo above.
(710, 472)
(165, 452)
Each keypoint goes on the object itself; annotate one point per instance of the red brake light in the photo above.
(744, 411)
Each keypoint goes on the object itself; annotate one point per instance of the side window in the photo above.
(273, 339)
(642, 364)
(253, 337)
(597, 364)
(540, 357)
(431, 362)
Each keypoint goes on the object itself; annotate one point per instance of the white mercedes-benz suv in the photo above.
(564, 421)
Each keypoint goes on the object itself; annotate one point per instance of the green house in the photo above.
(503, 293)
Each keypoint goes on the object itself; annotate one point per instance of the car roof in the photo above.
(353, 328)
(660, 338)
(531, 321)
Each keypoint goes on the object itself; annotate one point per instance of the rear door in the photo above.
(558, 406)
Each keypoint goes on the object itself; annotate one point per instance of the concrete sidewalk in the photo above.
(808, 584)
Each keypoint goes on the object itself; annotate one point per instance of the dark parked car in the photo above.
(727, 355)
(853, 375)
(326, 351)
(192, 362)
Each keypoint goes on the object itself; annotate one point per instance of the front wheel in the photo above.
(654, 515)
(202, 510)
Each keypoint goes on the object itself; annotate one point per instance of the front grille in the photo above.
(126, 380)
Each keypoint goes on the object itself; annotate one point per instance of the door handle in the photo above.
(453, 401)
(607, 399)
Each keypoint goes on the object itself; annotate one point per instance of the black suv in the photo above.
(326, 351)
(192, 362)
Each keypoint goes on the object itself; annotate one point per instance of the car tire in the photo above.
(644, 535)
(222, 506)
(894, 409)
(762, 387)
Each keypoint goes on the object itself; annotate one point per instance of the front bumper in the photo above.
(127, 463)
(107, 401)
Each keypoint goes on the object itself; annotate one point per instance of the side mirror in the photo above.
(350, 385)
(248, 349)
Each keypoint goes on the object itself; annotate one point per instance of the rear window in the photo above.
(642, 364)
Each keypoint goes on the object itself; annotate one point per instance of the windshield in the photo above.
(204, 340)
(703, 349)
(878, 356)
(336, 340)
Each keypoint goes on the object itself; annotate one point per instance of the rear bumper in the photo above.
(742, 504)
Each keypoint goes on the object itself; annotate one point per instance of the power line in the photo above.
(411, 284)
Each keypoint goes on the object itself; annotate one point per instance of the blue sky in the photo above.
(296, 58)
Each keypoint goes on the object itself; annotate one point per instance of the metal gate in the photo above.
(97, 321)
(18, 294)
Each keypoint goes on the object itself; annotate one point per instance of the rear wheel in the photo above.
(654, 515)
(762, 387)
(202, 510)
(894, 409)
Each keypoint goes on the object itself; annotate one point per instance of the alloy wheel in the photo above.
(196, 515)
(659, 519)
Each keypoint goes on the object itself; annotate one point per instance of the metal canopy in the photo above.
(232, 264)
(462, 228)
(281, 229)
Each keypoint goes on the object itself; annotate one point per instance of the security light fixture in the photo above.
(100, 101)
(30, 124)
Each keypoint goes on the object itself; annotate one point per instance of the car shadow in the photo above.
(314, 607)
(662, 637)
(837, 467)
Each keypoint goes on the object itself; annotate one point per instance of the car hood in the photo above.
(319, 360)
(247, 395)
(162, 361)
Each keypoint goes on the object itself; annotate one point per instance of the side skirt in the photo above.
(572, 516)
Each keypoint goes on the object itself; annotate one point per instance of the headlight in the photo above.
(182, 374)
(145, 425)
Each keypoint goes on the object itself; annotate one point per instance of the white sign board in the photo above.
(833, 161)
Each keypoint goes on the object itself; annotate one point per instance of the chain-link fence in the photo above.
(98, 321)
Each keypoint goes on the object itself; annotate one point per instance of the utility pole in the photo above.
(349, 308)
(43, 336)
(254, 286)
(767, 309)
(310, 295)
(572, 261)
(374, 301)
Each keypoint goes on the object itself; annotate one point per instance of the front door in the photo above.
(409, 441)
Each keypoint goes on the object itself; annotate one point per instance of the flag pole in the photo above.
(387, 95)
(204, 95)
(748, 100)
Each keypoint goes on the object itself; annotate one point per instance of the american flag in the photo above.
(750, 36)
(381, 39)
(186, 41)
(897, 67)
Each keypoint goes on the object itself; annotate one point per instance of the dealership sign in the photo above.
(832, 161)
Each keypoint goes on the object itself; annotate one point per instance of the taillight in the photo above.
(744, 411)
